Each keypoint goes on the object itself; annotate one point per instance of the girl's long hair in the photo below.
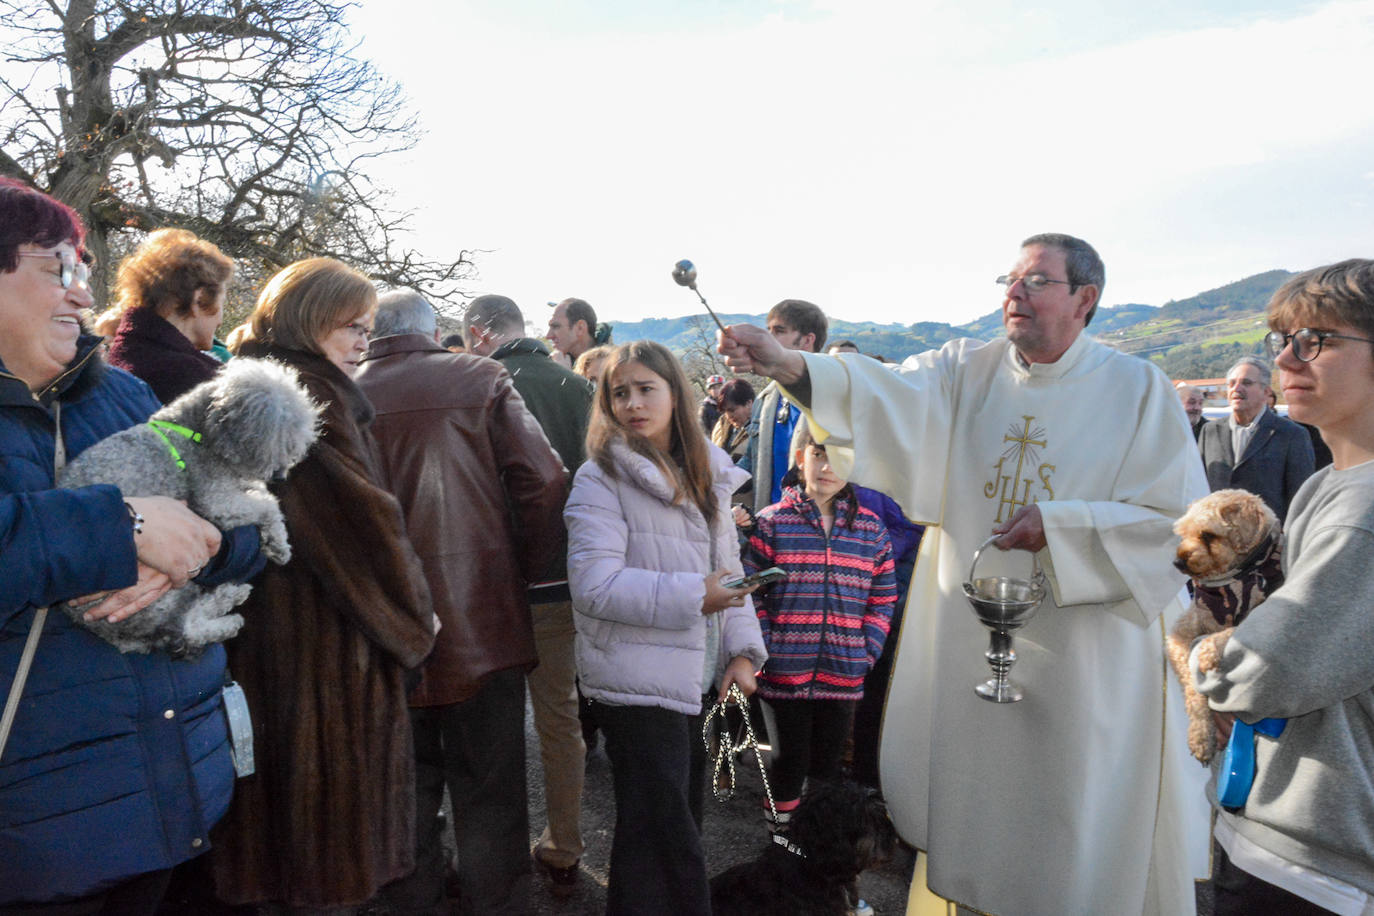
(687, 462)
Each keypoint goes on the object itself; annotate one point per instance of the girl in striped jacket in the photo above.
(825, 624)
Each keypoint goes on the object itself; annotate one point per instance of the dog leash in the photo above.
(725, 755)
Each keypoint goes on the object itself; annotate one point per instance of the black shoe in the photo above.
(562, 881)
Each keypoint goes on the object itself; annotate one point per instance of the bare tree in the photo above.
(699, 356)
(252, 124)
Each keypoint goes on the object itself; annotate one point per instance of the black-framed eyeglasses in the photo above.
(1032, 282)
(1307, 342)
(72, 270)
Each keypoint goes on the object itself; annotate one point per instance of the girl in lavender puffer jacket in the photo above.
(650, 539)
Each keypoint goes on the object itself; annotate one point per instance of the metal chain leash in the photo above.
(725, 755)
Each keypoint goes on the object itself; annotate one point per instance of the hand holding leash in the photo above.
(728, 749)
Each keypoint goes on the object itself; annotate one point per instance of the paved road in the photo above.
(734, 833)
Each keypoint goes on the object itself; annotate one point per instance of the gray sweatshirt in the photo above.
(1307, 654)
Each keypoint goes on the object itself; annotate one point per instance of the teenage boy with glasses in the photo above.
(1301, 843)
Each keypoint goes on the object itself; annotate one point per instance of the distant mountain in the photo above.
(1202, 336)
(1108, 318)
(1197, 337)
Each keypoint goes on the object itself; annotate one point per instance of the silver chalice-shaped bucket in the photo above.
(1003, 605)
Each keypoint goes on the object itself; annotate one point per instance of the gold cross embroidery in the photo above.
(1011, 490)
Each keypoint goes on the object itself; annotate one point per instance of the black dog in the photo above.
(839, 830)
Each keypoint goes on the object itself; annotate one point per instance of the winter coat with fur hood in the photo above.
(324, 654)
(636, 567)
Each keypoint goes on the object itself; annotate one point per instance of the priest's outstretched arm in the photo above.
(905, 414)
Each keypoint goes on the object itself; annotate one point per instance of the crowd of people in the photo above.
(490, 516)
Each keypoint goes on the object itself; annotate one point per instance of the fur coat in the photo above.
(328, 639)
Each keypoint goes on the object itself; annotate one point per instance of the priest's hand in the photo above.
(1023, 531)
(747, 348)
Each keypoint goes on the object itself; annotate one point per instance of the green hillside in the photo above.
(1200, 337)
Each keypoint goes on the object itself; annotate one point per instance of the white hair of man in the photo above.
(404, 311)
(1265, 370)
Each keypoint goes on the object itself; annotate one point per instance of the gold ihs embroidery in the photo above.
(1011, 481)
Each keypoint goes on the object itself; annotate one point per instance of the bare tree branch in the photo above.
(249, 123)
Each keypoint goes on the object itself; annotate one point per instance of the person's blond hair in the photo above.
(307, 300)
(237, 337)
(688, 462)
(107, 322)
(584, 362)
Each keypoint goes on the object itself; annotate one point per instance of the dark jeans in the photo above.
(809, 742)
(136, 897)
(657, 863)
(478, 748)
(1236, 892)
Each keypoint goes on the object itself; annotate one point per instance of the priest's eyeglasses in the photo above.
(1032, 282)
(71, 271)
(1307, 342)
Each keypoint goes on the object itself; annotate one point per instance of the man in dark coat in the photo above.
(482, 493)
(1254, 448)
(561, 401)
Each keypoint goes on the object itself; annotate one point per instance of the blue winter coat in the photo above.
(118, 764)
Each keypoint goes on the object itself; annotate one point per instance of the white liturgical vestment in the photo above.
(1061, 803)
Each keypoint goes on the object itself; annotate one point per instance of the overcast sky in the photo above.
(880, 158)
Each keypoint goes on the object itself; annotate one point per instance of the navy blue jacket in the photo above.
(118, 764)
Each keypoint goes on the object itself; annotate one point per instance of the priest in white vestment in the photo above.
(1065, 802)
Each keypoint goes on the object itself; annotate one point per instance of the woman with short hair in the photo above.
(171, 293)
(118, 764)
(329, 638)
(731, 431)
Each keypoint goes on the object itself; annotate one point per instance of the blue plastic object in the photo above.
(1236, 775)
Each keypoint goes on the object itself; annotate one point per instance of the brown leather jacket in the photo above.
(482, 491)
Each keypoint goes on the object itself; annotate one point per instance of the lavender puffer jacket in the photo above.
(636, 568)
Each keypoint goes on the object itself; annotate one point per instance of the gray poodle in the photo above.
(214, 447)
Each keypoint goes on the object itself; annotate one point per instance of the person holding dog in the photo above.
(117, 765)
(1062, 803)
(1302, 842)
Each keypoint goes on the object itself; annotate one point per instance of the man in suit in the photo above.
(1254, 448)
